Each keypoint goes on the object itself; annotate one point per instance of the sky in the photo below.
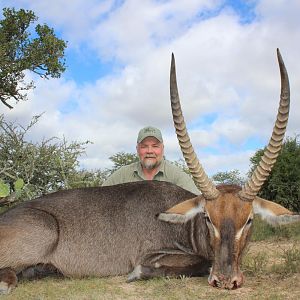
(117, 77)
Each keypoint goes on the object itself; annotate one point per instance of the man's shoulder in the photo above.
(177, 175)
(127, 169)
(122, 175)
(133, 166)
(172, 167)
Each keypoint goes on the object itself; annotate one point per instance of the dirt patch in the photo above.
(273, 250)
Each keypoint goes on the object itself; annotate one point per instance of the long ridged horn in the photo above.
(202, 181)
(262, 171)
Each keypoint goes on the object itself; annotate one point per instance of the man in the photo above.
(151, 164)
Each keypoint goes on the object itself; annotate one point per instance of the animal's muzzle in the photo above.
(223, 282)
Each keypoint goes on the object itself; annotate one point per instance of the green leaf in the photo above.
(4, 189)
(18, 184)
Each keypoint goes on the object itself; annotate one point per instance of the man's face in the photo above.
(150, 151)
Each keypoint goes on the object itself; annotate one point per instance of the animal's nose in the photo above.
(236, 281)
(226, 283)
(213, 280)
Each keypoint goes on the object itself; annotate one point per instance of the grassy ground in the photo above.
(262, 286)
(271, 265)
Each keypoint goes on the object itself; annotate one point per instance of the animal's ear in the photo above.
(273, 213)
(183, 211)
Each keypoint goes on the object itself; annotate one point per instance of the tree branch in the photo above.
(9, 199)
(4, 102)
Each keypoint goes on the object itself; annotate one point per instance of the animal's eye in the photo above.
(207, 219)
(249, 222)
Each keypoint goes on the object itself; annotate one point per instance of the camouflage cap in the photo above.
(149, 131)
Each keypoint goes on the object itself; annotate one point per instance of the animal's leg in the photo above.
(27, 237)
(8, 280)
(171, 265)
(39, 271)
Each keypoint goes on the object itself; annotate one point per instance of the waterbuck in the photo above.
(146, 229)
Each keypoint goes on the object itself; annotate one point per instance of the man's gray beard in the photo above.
(150, 165)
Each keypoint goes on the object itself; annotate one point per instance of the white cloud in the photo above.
(228, 162)
(224, 68)
(139, 27)
(75, 18)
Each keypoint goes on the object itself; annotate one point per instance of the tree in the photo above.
(36, 168)
(283, 184)
(121, 159)
(19, 52)
(88, 178)
(228, 177)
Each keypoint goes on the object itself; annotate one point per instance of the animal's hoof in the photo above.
(135, 274)
(8, 280)
(4, 288)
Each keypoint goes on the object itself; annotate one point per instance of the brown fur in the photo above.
(228, 232)
(229, 205)
(228, 188)
(228, 214)
(81, 233)
(276, 208)
(8, 276)
(185, 206)
(101, 231)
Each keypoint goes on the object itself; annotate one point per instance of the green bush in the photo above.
(283, 183)
(28, 169)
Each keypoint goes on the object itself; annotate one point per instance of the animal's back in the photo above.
(106, 230)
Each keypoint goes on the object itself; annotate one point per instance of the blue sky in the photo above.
(117, 77)
(95, 67)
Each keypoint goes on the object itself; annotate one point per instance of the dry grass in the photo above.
(261, 287)
(266, 283)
